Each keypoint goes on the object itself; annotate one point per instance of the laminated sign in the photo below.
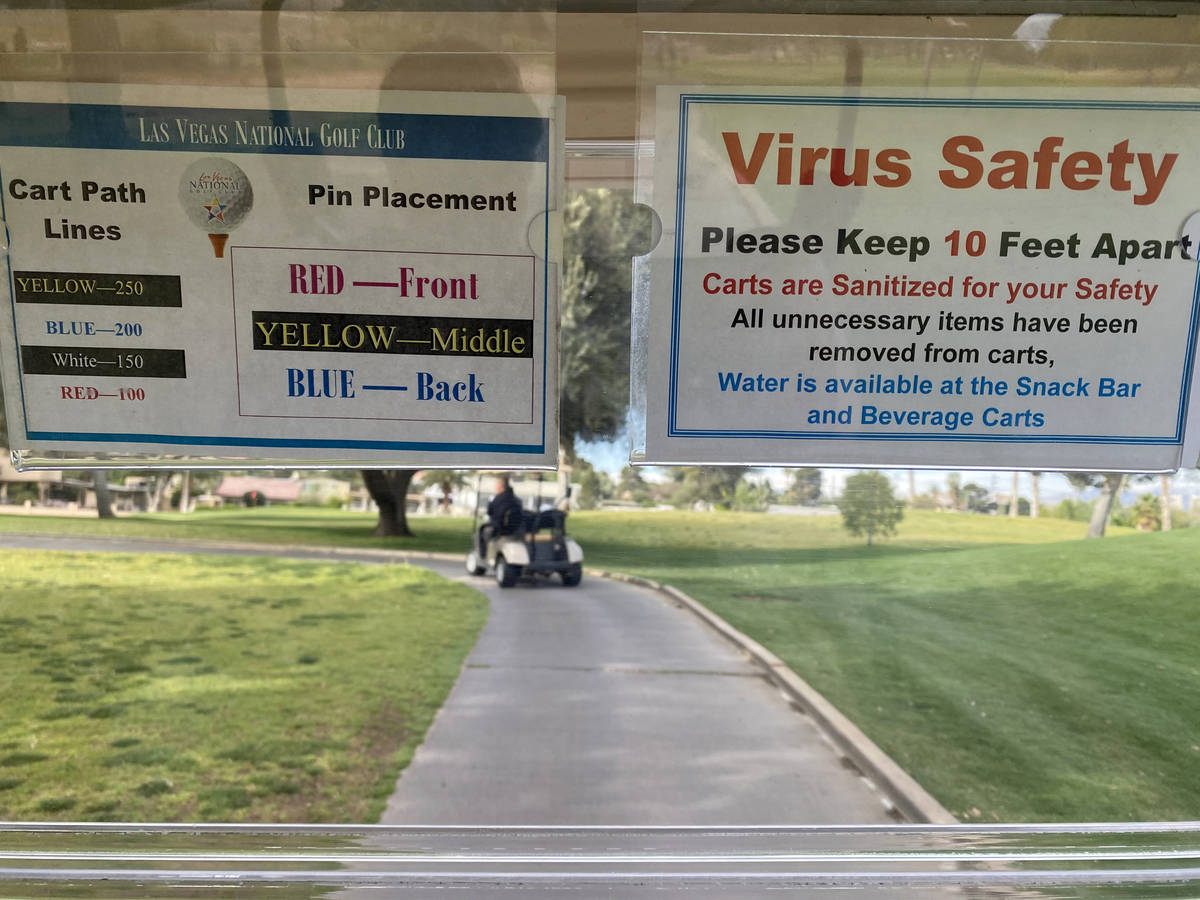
(1001, 279)
(342, 276)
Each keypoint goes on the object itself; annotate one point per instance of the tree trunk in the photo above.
(185, 494)
(1166, 503)
(912, 485)
(1104, 504)
(389, 489)
(103, 497)
(1012, 503)
(154, 503)
(1035, 505)
(164, 496)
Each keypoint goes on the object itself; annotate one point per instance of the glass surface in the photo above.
(764, 681)
(142, 56)
(308, 861)
(840, 141)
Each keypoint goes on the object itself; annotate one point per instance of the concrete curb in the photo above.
(913, 801)
(910, 799)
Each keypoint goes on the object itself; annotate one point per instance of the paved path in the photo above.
(604, 704)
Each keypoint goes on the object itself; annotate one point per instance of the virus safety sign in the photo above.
(947, 280)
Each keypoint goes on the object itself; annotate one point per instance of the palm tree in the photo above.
(1165, 483)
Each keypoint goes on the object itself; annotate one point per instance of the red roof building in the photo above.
(275, 490)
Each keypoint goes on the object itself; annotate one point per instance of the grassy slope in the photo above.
(1017, 672)
(1053, 682)
(140, 687)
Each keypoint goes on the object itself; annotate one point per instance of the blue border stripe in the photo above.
(908, 436)
(687, 100)
(546, 303)
(95, 126)
(676, 299)
(12, 302)
(941, 102)
(295, 443)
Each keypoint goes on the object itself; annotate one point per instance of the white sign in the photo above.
(993, 280)
(355, 277)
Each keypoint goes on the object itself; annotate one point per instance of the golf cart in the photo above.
(525, 542)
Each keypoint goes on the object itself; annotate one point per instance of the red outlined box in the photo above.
(364, 286)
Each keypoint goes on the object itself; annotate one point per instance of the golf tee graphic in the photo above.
(217, 197)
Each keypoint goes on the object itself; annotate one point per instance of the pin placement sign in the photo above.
(351, 278)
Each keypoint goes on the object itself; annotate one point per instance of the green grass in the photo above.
(1052, 682)
(183, 688)
(1019, 672)
(612, 539)
(273, 525)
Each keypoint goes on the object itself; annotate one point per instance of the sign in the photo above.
(992, 280)
(334, 276)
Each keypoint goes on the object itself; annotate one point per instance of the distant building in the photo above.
(42, 479)
(237, 488)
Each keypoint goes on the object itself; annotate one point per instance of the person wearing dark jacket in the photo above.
(503, 512)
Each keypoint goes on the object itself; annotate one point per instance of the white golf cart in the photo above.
(527, 542)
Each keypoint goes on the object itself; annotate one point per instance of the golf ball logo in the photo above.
(217, 197)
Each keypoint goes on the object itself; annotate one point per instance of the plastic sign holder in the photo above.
(287, 277)
(964, 276)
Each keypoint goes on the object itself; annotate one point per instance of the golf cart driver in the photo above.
(515, 541)
(503, 515)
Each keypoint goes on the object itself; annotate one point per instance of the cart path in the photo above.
(604, 704)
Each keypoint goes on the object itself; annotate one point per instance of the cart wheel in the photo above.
(473, 566)
(573, 575)
(506, 575)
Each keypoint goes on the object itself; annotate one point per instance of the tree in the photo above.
(1147, 513)
(709, 484)
(603, 229)
(389, 489)
(974, 498)
(1035, 505)
(158, 499)
(632, 486)
(868, 506)
(103, 496)
(1110, 486)
(805, 488)
(1165, 494)
(954, 490)
(1162, 518)
(594, 485)
(752, 497)
(446, 480)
